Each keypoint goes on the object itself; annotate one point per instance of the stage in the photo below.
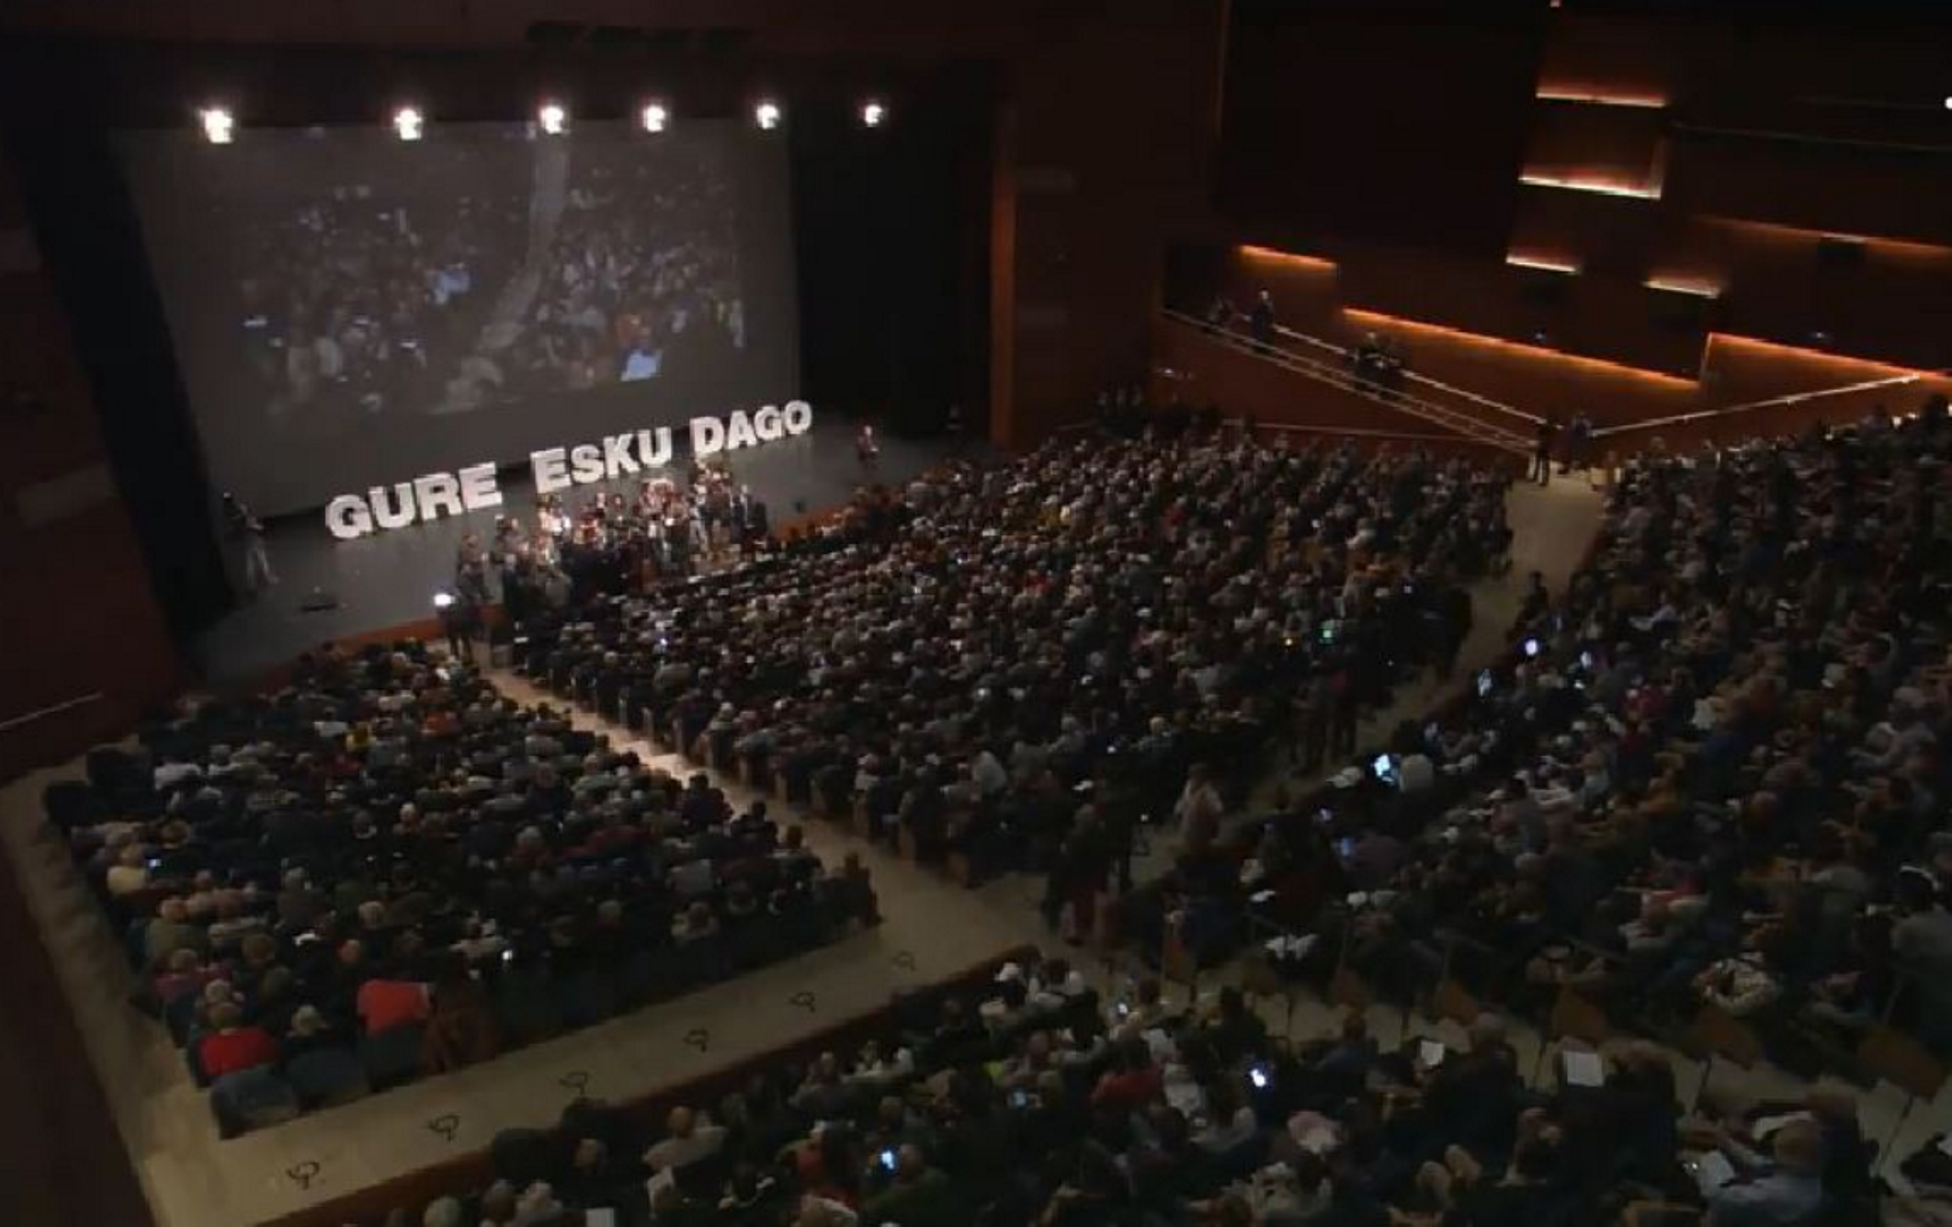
(389, 578)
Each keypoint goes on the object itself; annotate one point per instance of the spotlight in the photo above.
(218, 125)
(443, 599)
(407, 123)
(1948, 102)
(553, 118)
(766, 115)
(872, 114)
(654, 117)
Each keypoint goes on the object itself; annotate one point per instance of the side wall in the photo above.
(80, 625)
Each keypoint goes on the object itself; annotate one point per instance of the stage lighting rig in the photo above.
(552, 118)
(766, 115)
(218, 126)
(873, 114)
(654, 117)
(408, 123)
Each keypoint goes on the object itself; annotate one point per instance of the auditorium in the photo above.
(975, 613)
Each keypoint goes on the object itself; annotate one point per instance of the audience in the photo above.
(1204, 1121)
(1706, 777)
(387, 860)
(1017, 664)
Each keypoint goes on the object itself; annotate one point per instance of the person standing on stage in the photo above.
(866, 447)
(955, 427)
(249, 532)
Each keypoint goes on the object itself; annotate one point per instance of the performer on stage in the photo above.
(248, 530)
(866, 446)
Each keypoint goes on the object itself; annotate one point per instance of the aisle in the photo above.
(1551, 530)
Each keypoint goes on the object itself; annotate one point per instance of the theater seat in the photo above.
(70, 803)
(646, 977)
(527, 1008)
(520, 1156)
(251, 1099)
(328, 1077)
(392, 1056)
(588, 997)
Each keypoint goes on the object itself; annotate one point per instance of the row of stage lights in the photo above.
(409, 123)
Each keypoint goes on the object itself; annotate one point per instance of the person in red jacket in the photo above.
(231, 1046)
(1133, 1081)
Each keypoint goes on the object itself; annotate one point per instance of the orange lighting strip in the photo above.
(1285, 257)
(1737, 341)
(1544, 263)
(1901, 247)
(1639, 191)
(1552, 93)
(1684, 285)
(1378, 319)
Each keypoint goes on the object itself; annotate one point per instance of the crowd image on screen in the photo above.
(452, 274)
(358, 297)
(642, 271)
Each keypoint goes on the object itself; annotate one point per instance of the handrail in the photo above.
(1414, 377)
(1338, 375)
(1789, 398)
(1357, 432)
(52, 709)
(1345, 354)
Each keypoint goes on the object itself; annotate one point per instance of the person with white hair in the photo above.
(444, 1212)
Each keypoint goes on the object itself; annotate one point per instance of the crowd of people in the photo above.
(1035, 1099)
(360, 299)
(578, 550)
(643, 274)
(1706, 779)
(1020, 663)
(375, 291)
(385, 868)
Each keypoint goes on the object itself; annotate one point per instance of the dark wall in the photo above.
(1388, 122)
(891, 229)
(87, 650)
(57, 130)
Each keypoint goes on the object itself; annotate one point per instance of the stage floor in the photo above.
(389, 578)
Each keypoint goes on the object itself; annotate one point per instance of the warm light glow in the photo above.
(766, 115)
(1376, 319)
(1639, 191)
(553, 118)
(1684, 285)
(872, 114)
(1541, 262)
(1268, 253)
(1876, 245)
(654, 117)
(407, 123)
(1860, 365)
(218, 126)
(1549, 93)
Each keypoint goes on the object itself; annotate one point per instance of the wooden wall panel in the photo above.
(76, 611)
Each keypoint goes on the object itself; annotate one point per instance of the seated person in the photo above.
(231, 1046)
